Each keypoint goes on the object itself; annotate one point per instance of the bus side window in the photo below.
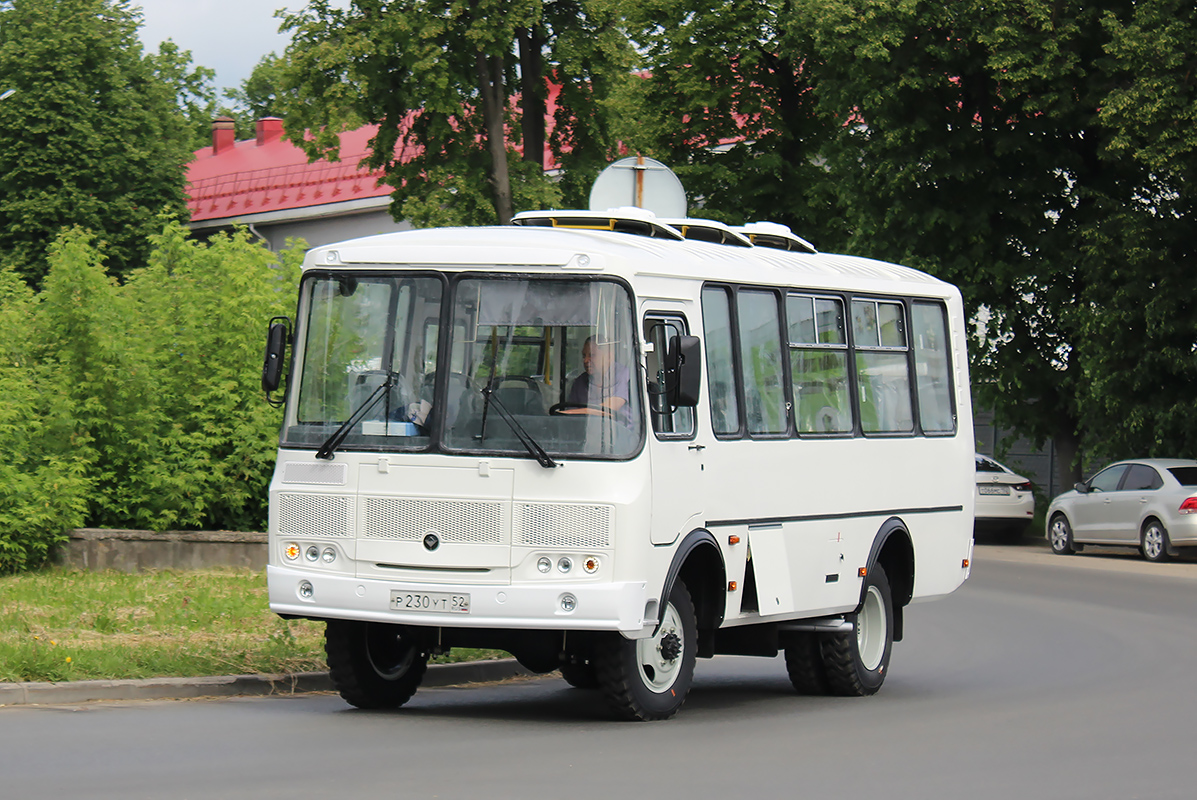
(667, 422)
(721, 367)
(882, 367)
(819, 364)
(760, 359)
(932, 367)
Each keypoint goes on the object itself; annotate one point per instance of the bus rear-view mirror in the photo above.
(683, 376)
(277, 336)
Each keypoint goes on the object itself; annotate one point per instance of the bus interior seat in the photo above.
(520, 394)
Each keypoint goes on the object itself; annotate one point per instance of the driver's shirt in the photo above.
(617, 383)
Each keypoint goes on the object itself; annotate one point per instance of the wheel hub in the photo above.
(671, 646)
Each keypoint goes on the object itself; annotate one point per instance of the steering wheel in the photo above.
(562, 409)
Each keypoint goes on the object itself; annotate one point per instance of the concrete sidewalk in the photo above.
(13, 694)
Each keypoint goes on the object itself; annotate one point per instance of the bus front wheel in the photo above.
(855, 663)
(648, 679)
(373, 665)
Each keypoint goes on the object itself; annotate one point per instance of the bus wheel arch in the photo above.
(698, 563)
(893, 550)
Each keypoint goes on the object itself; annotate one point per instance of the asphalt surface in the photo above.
(32, 693)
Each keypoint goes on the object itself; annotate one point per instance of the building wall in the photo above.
(1020, 455)
(319, 232)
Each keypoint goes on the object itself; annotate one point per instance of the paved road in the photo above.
(1044, 677)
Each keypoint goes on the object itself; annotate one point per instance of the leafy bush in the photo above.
(138, 404)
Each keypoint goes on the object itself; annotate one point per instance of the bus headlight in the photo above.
(312, 553)
(565, 564)
(328, 555)
(544, 564)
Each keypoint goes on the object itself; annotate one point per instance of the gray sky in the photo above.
(229, 36)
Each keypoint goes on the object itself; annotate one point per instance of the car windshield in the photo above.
(526, 364)
(1186, 475)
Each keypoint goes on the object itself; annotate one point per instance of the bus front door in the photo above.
(677, 458)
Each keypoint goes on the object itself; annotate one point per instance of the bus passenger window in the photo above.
(932, 367)
(760, 357)
(721, 378)
(882, 367)
(819, 364)
(667, 422)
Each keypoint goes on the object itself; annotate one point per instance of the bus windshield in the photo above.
(546, 360)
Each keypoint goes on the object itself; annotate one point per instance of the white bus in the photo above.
(610, 446)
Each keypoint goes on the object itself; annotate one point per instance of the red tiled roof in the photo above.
(269, 173)
(253, 178)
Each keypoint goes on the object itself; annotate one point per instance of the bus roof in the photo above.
(587, 250)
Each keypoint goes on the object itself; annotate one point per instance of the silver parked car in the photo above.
(1149, 503)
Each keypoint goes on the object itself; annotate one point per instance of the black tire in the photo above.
(373, 665)
(1154, 542)
(1060, 536)
(804, 663)
(648, 679)
(581, 676)
(855, 663)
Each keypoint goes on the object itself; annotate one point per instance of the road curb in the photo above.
(34, 693)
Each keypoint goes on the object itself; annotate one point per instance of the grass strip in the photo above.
(69, 625)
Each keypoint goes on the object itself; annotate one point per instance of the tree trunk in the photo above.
(490, 84)
(532, 91)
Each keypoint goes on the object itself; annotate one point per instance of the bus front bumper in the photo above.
(552, 606)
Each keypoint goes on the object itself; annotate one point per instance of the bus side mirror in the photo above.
(277, 336)
(683, 371)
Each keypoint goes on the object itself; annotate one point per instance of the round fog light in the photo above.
(565, 564)
(328, 555)
(305, 590)
(568, 603)
(312, 553)
(544, 564)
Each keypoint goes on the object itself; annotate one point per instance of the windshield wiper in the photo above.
(530, 444)
(329, 447)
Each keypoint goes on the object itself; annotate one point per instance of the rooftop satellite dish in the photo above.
(640, 182)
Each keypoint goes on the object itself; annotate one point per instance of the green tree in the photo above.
(728, 101)
(974, 145)
(203, 307)
(1142, 367)
(92, 135)
(438, 78)
(43, 481)
(194, 95)
(257, 96)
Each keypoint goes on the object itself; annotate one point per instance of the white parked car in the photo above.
(1005, 501)
(1148, 503)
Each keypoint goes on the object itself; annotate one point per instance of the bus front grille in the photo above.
(316, 515)
(459, 521)
(563, 525)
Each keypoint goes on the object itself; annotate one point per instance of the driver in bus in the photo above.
(604, 388)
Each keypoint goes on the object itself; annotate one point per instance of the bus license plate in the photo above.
(994, 489)
(445, 602)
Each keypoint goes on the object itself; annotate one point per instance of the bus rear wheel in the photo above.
(373, 665)
(648, 679)
(804, 664)
(855, 663)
